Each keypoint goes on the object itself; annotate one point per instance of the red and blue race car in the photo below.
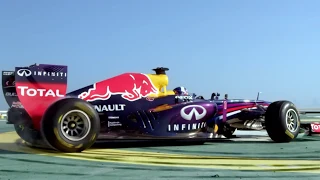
(130, 106)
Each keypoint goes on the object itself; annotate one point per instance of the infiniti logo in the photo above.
(24, 72)
(194, 111)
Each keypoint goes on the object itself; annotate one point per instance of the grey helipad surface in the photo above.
(244, 158)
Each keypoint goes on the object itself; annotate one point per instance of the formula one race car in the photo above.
(129, 106)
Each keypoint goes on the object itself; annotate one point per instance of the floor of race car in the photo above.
(242, 158)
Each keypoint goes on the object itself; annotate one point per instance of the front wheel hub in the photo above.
(292, 120)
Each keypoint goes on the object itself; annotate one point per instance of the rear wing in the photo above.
(9, 88)
(36, 87)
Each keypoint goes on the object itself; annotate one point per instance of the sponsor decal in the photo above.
(24, 72)
(114, 123)
(7, 73)
(26, 91)
(184, 97)
(16, 104)
(50, 74)
(194, 112)
(11, 94)
(110, 107)
(187, 113)
(132, 87)
(315, 127)
(186, 127)
(113, 117)
(27, 73)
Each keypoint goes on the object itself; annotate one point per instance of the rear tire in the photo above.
(282, 121)
(23, 126)
(71, 125)
(29, 135)
(18, 116)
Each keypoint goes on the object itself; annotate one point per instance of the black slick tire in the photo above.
(67, 114)
(23, 126)
(29, 135)
(228, 131)
(278, 115)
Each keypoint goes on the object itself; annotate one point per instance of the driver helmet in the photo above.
(180, 91)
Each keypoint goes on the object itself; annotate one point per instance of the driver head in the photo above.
(180, 91)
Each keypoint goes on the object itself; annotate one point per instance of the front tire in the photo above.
(282, 121)
(71, 125)
(228, 131)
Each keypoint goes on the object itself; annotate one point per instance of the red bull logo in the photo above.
(131, 86)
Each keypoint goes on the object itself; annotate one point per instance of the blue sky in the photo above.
(230, 46)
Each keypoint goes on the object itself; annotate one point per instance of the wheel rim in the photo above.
(292, 120)
(75, 125)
